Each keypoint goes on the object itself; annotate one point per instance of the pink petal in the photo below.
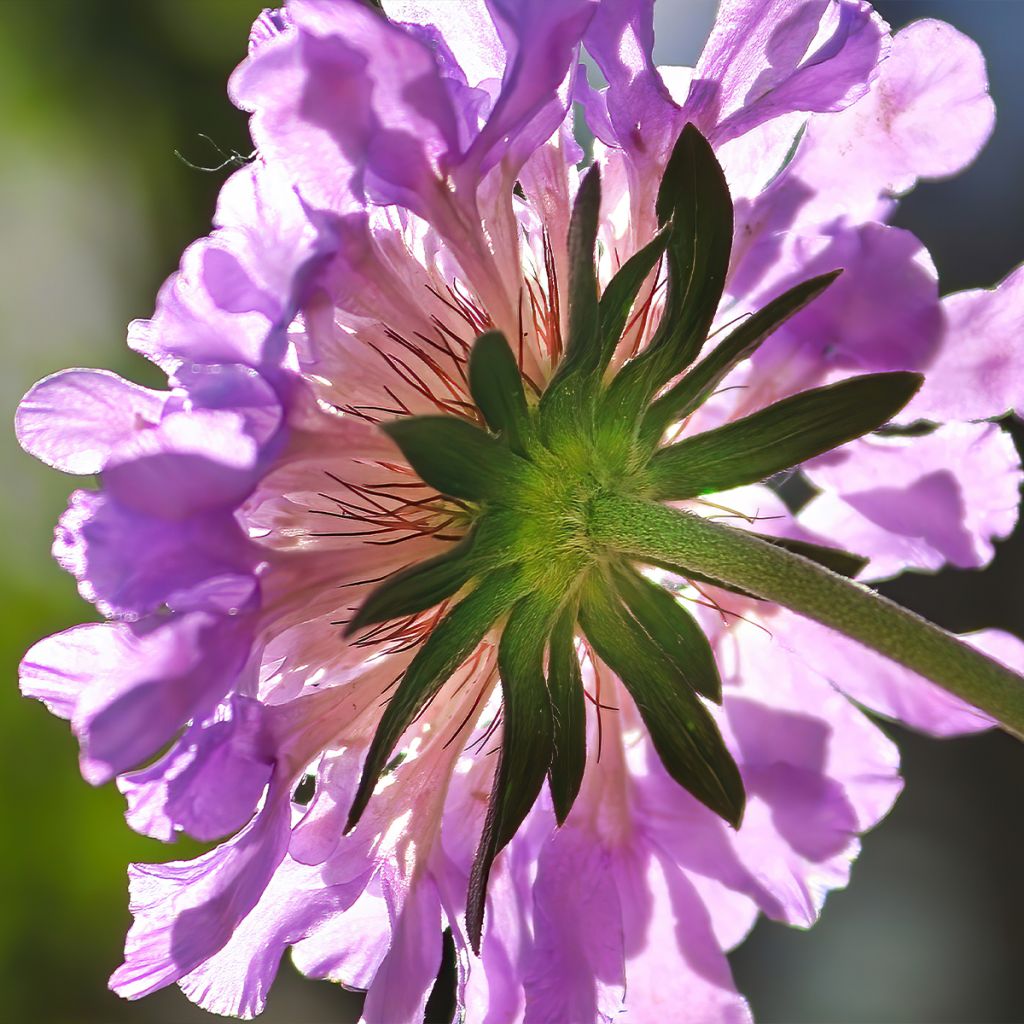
(919, 502)
(927, 116)
(978, 371)
(888, 688)
(767, 59)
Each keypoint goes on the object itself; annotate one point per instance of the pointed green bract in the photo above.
(452, 641)
(417, 588)
(695, 197)
(565, 685)
(496, 385)
(583, 308)
(564, 406)
(701, 382)
(673, 629)
(456, 457)
(681, 728)
(785, 434)
(622, 291)
(526, 743)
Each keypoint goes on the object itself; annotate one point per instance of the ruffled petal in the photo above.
(978, 371)
(237, 290)
(888, 688)
(927, 115)
(348, 948)
(210, 781)
(186, 911)
(350, 105)
(767, 59)
(75, 419)
(129, 564)
(130, 688)
(235, 981)
(467, 29)
(193, 462)
(919, 502)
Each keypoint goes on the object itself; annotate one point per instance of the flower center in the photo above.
(564, 497)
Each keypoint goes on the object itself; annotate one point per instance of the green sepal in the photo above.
(673, 629)
(496, 384)
(526, 743)
(582, 243)
(785, 434)
(450, 643)
(456, 457)
(683, 732)
(622, 291)
(418, 587)
(564, 404)
(565, 684)
(700, 383)
(694, 196)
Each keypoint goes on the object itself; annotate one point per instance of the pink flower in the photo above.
(414, 190)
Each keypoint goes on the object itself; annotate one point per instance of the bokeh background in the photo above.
(96, 97)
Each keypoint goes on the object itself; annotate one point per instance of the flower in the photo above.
(399, 292)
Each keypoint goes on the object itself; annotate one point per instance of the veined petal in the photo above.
(919, 502)
(209, 782)
(75, 419)
(340, 86)
(132, 687)
(977, 371)
(769, 58)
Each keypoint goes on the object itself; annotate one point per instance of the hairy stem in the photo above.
(647, 530)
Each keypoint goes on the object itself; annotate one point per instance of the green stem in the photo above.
(647, 530)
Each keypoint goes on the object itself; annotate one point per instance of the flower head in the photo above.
(436, 477)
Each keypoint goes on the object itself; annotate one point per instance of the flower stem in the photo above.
(648, 530)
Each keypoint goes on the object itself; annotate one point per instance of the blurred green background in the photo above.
(95, 208)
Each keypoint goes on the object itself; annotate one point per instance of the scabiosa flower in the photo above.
(428, 514)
